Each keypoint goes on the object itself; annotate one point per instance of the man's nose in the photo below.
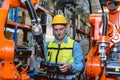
(58, 32)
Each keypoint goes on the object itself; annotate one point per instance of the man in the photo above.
(64, 50)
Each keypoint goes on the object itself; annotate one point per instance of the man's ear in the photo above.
(66, 28)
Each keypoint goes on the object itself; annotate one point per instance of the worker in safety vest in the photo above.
(64, 50)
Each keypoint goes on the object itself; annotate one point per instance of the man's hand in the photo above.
(65, 67)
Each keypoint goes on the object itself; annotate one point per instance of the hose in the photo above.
(105, 23)
(101, 5)
(31, 11)
(90, 7)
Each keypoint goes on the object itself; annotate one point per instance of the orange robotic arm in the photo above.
(7, 47)
(103, 60)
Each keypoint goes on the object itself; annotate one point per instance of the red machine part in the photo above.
(93, 63)
(93, 69)
(7, 67)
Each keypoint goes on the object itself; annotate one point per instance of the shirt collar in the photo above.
(65, 39)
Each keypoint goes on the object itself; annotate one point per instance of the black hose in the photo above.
(105, 23)
(101, 6)
(90, 7)
(31, 11)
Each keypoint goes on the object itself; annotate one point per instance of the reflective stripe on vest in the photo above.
(61, 53)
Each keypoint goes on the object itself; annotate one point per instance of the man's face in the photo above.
(59, 31)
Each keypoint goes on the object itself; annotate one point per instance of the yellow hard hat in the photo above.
(59, 19)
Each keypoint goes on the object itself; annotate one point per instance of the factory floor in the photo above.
(36, 63)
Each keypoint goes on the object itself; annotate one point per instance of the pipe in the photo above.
(90, 7)
(101, 5)
(105, 23)
(31, 11)
(16, 29)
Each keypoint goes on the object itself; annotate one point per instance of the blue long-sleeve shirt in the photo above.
(77, 65)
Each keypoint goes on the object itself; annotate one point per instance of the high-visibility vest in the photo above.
(62, 53)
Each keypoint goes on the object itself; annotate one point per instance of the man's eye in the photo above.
(61, 28)
(55, 29)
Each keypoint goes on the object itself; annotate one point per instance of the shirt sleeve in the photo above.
(78, 58)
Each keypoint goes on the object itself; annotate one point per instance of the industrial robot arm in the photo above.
(102, 61)
(7, 47)
(36, 27)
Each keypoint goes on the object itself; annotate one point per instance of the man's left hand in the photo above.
(65, 67)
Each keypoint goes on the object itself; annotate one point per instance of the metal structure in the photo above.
(102, 61)
(7, 47)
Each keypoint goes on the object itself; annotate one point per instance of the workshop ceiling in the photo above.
(84, 4)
